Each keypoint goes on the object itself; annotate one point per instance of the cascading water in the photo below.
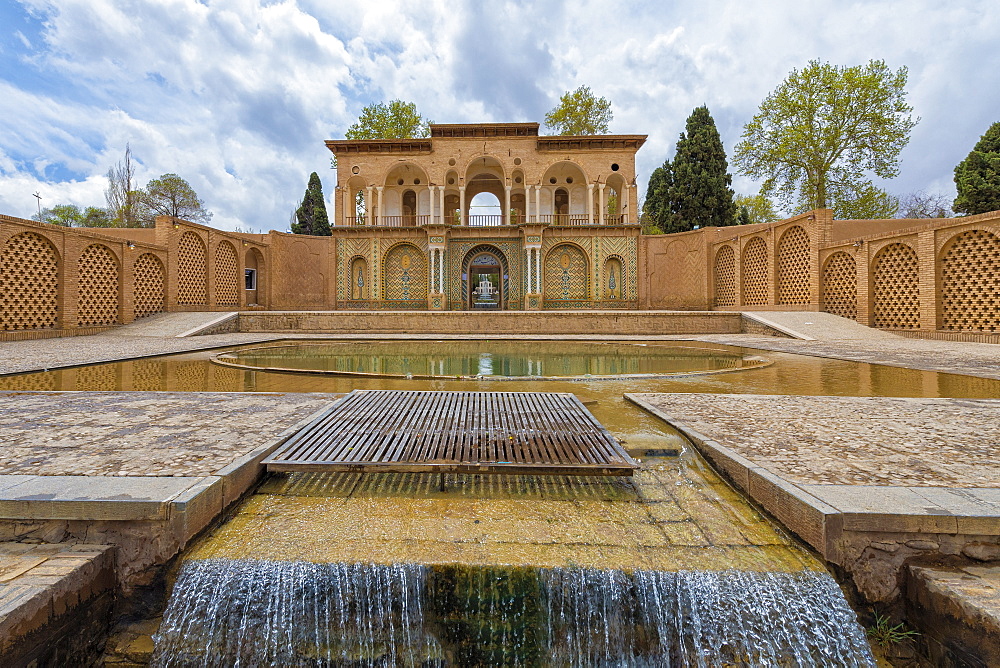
(273, 613)
(264, 613)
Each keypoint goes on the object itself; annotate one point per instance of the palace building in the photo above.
(564, 233)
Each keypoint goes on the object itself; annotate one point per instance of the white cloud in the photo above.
(237, 96)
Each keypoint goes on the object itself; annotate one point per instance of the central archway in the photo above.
(485, 276)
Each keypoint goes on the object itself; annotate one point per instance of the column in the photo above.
(441, 202)
(441, 270)
(430, 265)
(430, 204)
(379, 205)
(538, 201)
(538, 270)
(527, 204)
(506, 205)
(590, 203)
(369, 206)
(346, 192)
(461, 204)
(600, 204)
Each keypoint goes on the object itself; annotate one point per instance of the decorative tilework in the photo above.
(565, 274)
(405, 273)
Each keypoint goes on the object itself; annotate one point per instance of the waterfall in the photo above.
(231, 613)
(261, 613)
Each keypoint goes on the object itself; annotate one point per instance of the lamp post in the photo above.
(39, 198)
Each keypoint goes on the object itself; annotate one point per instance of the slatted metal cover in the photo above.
(462, 432)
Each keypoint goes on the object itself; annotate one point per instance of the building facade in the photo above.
(564, 233)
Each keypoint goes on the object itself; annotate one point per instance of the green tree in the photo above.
(170, 195)
(758, 209)
(95, 216)
(978, 176)
(656, 208)
(580, 113)
(70, 215)
(310, 217)
(865, 202)
(824, 129)
(700, 193)
(66, 215)
(395, 120)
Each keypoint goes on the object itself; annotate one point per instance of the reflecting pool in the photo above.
(430, 360)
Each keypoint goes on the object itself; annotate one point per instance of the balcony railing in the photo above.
(486, 221)
(388, 221)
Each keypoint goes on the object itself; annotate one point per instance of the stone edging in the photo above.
(852, 525)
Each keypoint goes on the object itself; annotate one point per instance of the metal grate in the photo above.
(461, 432)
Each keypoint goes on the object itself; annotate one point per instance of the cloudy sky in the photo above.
(237, 96)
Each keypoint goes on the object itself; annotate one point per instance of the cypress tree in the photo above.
(700, 192)
(310, 217)
(656, 208)
(978, 176)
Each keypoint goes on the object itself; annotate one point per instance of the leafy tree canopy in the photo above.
(70, 215)
(395, 120)
(170, 195)
(580, 113)
(978, 176)
(755, 209)
(820, 134)
(311, 216)
(865, 202)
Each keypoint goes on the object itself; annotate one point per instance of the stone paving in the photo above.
(852, 440)
(140, 433)
(674, 514)
(40, 583)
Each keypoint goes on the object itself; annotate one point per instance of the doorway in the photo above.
(486, 282)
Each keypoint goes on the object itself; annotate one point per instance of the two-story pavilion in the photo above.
(562, 236)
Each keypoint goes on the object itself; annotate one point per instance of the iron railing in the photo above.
(487, 220)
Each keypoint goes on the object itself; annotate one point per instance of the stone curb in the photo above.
(821, 514)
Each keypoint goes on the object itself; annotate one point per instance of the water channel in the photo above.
(669, 568)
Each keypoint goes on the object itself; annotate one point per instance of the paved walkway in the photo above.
(818, 326)
(140, 433)
(169, 324)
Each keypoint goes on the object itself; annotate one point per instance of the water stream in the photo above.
(254, 613)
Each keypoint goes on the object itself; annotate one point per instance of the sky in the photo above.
(237, 96)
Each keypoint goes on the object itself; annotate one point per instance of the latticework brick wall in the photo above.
(29, 276)
(970, 283)
(191, 288)
(896, 288)
(754, 266)
(793, 266)
(725, 277)
(227, 275)
(840, 285)
(99, 278)
(148, 285)
(565, 273)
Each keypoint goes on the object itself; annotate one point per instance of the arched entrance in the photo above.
(484, 279)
